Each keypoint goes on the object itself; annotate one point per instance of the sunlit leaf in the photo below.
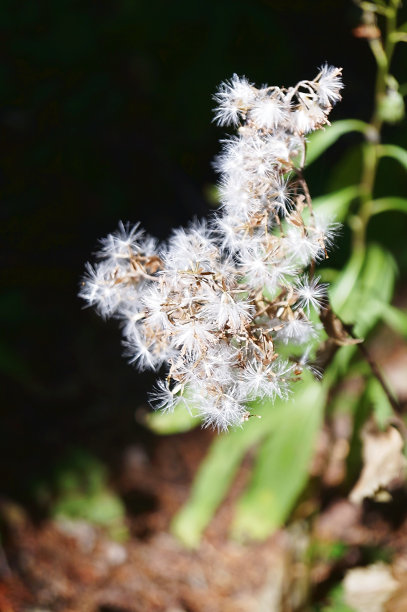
(382, 408)
(395, 152)
(328, 275)
(361, 412)
(358, 295)
(398, 37)
(320, 141)
(347, 169)
(336, 205)
(377, 279)
(217, 471)
(354, 295)
(281, 469)
(341, 290)
(102, 508)
(394, 318)
(390, 203)
(79, 490)
(165, 423)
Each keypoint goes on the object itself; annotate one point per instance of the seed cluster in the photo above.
(214, 303)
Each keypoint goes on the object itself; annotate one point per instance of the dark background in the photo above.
(106, 115)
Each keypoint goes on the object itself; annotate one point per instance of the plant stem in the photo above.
(376, 371)
(383, 52)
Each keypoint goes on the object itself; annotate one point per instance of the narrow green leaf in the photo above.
(395, 152)
(217, 471)
(354, 297)
(328, 275)
(103, 507)
(390, 203)
(178, 421)
(394, 318)
(347, 170)
(281, 469)
(354, 294)
(398, 37)
(354, 458)
(336, 204)
(377, 277)
(382, 408)
(340, 364)
(323, 139)
(341, 290)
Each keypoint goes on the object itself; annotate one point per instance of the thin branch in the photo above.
(376, 371)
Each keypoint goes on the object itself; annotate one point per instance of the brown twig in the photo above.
(379, 377)
(375, 371)
(341, 334)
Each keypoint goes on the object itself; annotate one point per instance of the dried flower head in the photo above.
(214, 303)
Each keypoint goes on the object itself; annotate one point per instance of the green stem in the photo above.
(360, 222)
(383, 53)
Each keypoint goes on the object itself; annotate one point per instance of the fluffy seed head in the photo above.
(215, 303)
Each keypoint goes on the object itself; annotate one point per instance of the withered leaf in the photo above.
(367, 589)
(384, 464)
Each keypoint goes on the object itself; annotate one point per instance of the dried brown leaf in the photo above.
(367, 589)
(384, 464)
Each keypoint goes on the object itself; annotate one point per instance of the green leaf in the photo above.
(394, 318)
(102, 508)
(398, 37)
(328, 275)
(217, 471)
(394, 151)
(354, 294)
(377, 278)
(177, 421)
(345, 398)
(323, 139)
(281, 469)
(343, 287)
(378, 272)
(79, 491)
(347, 170)
(354, 297)
(390, 203)
(336, 603)
(336, 204)
(382, 408)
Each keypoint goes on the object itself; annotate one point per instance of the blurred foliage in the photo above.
(336, 603)
(175, 422)
(287, 429)
(78, 489)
